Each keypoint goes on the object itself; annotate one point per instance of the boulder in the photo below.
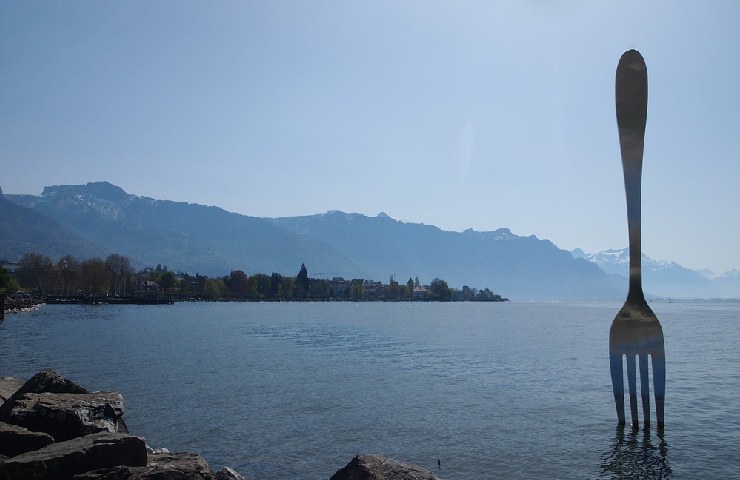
(8, 386)
(15, 440)
(68, 415)
(162, 466)
(188, 465)
(227, 473)
(92, 441)
(376, 467)
(46, 381)
(63, 460)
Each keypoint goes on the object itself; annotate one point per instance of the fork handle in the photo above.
(631, 102)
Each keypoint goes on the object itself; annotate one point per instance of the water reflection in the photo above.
(636, 454)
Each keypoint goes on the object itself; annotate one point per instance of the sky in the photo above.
(460, 114)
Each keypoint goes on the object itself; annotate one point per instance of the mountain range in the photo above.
(666, 279)
(99, 218)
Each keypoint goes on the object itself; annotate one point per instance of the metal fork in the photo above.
(636, 331)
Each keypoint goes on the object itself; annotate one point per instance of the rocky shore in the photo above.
(53, 429)
(17, 304)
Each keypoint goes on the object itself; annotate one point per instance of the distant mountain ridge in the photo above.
(184, 236)
(528, 266)
(666, 278)
(211, 241)
(24, 230)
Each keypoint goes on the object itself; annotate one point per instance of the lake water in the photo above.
(498, 390)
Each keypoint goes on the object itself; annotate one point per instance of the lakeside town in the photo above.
(36, 278)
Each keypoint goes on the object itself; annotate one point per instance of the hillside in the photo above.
(209, 240)
(26, 230)
(188, 237)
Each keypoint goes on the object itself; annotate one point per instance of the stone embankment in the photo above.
(17, 304)
(53, 429)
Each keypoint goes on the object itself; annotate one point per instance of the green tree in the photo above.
(439, 290)
(410, 289)
(185, 286)
(301, 283)
(285, 291)
(262, 285)
(467, 293)
(167, 281)
(238, 283)
(487, 295)
(214, 288)
(192, 285)
(275, 280)
(320, 288)
(199, 284)
(121, 274)
(95, 278)
(252, 292)
(7, 283)
(68, 268)
(34, 271)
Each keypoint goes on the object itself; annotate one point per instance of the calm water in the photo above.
(513, 390)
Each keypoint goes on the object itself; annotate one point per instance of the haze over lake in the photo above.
(294, 390)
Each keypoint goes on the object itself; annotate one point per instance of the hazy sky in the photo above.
(462, 114)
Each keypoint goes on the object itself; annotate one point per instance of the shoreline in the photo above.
(14, 306)
(11, 305)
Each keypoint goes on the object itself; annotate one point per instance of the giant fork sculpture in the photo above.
(636, 331)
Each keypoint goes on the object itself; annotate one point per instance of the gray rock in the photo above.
(68, 415)
(63, 460)
(163, 466)
(376, 467)
(46, 381)
(15, 440)
(227, 473)
(8, 386)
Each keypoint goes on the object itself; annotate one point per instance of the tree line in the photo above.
(68, 276)
(114, 276)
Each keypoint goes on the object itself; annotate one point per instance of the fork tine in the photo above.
(615, 365)
(659, 384)
(632, 382)
(645, 390)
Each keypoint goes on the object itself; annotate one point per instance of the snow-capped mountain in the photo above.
(663, 278)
